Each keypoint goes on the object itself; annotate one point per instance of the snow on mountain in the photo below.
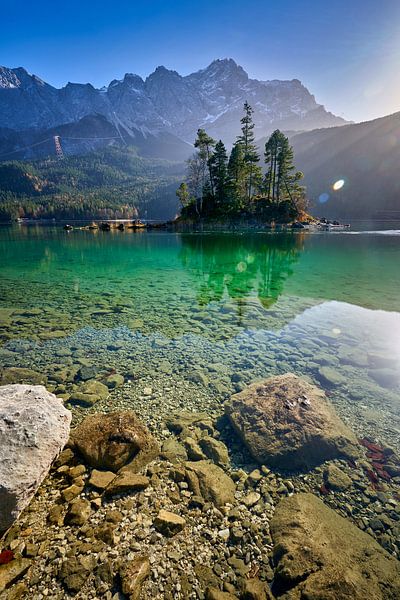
(164, 102)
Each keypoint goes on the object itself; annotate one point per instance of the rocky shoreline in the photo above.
(184, 510)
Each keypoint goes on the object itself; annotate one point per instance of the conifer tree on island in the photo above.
(205, 145)
(218, 170)
(251, 158)
(235, 178)
(280, 181)
(217, 187)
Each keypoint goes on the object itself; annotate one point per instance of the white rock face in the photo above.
(34, 427)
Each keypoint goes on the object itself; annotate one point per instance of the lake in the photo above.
(188, 319)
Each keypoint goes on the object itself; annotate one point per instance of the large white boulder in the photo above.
(34, 427)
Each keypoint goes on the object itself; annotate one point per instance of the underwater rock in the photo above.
(87, 372)
(19, 375)
(182, 422)
(210, 482)
(114, 440)
(34, 427)
(89, 393)
(215, 450)
(387, 378)
(173, 450)
(288, 423)
(114, 381)
(330, 376)
(319, 554)
(336, 479)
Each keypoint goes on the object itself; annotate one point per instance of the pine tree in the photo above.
(183, 194)
(196, 180)
(235, 177)
(215, 185)
(218, 166)
(205, 144)
(252, 171)
(280, 181)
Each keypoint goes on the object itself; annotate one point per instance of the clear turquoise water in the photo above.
(215, 311)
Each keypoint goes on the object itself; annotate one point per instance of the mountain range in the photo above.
(165, 108)
(157, 118)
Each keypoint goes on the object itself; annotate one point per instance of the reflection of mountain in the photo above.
(242, 266)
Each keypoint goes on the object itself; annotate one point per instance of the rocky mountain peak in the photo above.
(162, 73)
(225, 66)
(133, 79)
(79, 86)
(165, 101)
(221, 70)
(15, 78)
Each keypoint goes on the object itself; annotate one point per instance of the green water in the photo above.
(200, 316)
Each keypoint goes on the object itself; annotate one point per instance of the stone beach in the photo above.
(178, 527)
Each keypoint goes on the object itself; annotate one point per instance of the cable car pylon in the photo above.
(59, 150)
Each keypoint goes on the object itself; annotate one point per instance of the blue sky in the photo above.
(346, 52)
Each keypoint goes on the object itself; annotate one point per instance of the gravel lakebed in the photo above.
(78, 541)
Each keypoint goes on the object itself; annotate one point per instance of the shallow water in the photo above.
(198, 316)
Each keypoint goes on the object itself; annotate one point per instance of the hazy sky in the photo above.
(347, 52)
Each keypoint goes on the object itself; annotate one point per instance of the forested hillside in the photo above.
(111, 183)
(366, 156)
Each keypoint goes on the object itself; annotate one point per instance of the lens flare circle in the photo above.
(338, 185)
(324, 197)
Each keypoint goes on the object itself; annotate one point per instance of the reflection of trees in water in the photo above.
(241, 265)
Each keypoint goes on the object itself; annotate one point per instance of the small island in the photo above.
(235, 189)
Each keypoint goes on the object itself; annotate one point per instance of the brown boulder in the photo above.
(254, 589)
(288, 423)
(127, 481)
(319, 554)
(216, 594)
(114, 440)
(169, 523)
(182, 423)
(10, 572)
(210, 482)
(133, 575)
(78, 512)
(101, 479)
(336, 479)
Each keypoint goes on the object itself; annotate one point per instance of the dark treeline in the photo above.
(112, 183)
(218, 186)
